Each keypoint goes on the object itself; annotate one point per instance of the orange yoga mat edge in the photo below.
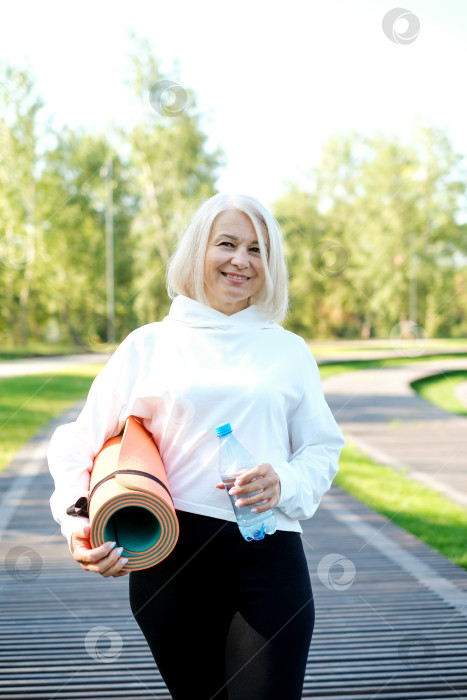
(130, 501)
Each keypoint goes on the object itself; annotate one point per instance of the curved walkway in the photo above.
(382, 415)
(391, 612)
(39, 365)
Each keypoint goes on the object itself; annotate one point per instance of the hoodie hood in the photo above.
(192, 313)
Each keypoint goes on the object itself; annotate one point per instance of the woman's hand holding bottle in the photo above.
(267, 491)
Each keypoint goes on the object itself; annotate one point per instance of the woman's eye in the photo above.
(229, 244)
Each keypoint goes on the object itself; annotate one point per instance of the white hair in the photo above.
(185, 271)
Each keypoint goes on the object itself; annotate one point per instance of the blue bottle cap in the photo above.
(223, 429)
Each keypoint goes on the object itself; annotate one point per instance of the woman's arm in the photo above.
(297, 485)
(317, 443)
(74, 445)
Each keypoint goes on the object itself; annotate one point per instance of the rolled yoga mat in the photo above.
(130, 501)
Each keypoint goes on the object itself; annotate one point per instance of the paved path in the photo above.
(380, 413)
(40, 365)
(391, 614)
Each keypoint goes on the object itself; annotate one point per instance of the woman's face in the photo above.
(233, 269)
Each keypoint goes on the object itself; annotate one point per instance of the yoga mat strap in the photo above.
(80, 508)
(136, 472)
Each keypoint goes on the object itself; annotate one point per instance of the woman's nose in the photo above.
(240, 258)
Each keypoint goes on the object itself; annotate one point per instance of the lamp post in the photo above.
(109, 253)
(413, 310)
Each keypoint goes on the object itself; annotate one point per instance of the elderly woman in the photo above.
(224, 618)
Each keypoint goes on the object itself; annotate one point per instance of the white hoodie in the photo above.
(183, 376)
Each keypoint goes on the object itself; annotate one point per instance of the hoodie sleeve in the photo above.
(73, 446)
(316, 443)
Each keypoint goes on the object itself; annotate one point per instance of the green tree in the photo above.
(73, 193)
(20, 238)
(380, 236)
(171, 170)
(53, 193)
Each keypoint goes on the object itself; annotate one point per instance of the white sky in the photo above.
(275, 79)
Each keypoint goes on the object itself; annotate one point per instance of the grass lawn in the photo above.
(27, 403)
(416, 508)
(37, 349)
(40, 350)
(329, 368)
(430, 345)
(440, 389)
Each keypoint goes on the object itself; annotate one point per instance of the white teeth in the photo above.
(235, 277)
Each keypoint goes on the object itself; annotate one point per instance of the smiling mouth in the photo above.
(231, 275)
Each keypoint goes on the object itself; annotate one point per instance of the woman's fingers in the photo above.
(80, 537)
(105, 559)
(262, 480)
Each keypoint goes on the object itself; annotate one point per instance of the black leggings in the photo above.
(224, 618)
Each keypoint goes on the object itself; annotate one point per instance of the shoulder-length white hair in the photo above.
(185, 271)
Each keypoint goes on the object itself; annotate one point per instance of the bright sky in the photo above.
(275, 78)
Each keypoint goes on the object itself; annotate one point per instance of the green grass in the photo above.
(412, 506)
(28, 402)
(440, 389)
(431, 345)
(329, 368)
(40, 350)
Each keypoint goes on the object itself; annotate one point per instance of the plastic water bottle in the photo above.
(233, 460)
